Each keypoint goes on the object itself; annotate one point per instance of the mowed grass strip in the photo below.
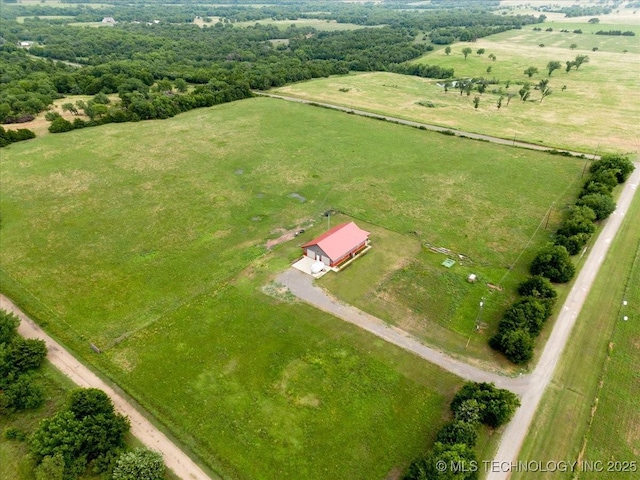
(603, 350)
(571, 117)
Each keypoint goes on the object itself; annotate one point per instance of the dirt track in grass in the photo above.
(141, 428)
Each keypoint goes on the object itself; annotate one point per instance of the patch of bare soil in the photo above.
(285, 236)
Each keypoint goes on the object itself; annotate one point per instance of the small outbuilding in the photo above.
(109, 20)
(337, 245)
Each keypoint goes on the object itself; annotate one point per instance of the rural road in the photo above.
(530, 387)
(141, 428)
(516, 430)
(427, 126)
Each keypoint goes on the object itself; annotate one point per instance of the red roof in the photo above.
(339, 240)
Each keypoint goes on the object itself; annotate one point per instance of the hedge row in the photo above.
(8, 137)
(20, 358)
(453, 452)
(523, 321)
(140, 105)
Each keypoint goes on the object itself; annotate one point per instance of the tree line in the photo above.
(523, 321)
(453, 455)
(85, 434)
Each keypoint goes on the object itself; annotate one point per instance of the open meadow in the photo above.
(321, 25)
(571, 117)
(594, 396)
(149, 241)
(252, 181)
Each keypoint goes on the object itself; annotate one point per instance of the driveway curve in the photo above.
(529, 387)
(174, 458)
(301, 285)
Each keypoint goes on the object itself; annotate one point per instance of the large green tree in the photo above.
(619, 165)
(554, 263)
(497, 405)
(86, 431)
(8, 326)
(603, 205)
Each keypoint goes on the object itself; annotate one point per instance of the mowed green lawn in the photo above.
(148, 241)
(570, 118)
(594, 398)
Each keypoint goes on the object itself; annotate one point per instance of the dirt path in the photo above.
(427, 126)
(530, 387)
(141, 428)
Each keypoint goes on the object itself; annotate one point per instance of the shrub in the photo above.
(593, 186)
(573, 243)
(458, 454)
(527, 314)
(621, 166)
(468, 411)
(458, 432)
(24, 394)
(14, 433)
(554, 263)
(579, 219)
(516, 345)
(602, 205)
(60, 125)
(537, 287)
(497, 405)
(140, 464)
(23, 355)
(8, 326)
(607, 177)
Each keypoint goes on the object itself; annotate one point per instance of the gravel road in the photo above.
(141, 428)
(530, 387)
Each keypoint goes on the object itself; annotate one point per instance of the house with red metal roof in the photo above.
(337, 245)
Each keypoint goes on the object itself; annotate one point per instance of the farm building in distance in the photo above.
(337, 245)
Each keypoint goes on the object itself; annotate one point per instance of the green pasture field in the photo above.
(570, 118)
(620, 16)
(149, 240)
(598, 370)
(323, 25)
(477, 199)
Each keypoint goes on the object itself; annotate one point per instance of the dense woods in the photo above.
(44, 59)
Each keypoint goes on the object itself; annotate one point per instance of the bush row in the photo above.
(8, 137)
(86, 432)
(139, 105)
(595, 202)
(19, 360)
(523, 321)
(474, 404)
